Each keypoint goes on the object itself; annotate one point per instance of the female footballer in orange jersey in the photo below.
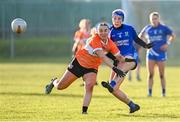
(86, 63)
(81, 35)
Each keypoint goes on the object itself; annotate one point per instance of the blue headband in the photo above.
(118, 13)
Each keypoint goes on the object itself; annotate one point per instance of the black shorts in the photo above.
(78, 70)
(134, 66)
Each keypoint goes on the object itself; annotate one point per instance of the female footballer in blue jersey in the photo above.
(162, 37)
(123, 36)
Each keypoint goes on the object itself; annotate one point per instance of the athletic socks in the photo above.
(112, 83)
(163, 92)
(84, 109)
(55, 83)
(150, 92)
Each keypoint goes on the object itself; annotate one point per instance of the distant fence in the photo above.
(52, 18)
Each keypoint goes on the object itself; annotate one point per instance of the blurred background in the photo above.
(51, 25)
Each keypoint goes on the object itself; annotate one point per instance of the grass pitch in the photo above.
(22, 96)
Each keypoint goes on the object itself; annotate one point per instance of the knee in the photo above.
(161, 76)
(89, 86)
(151, 76)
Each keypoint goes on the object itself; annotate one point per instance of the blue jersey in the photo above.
(158, 35)
(124, 37)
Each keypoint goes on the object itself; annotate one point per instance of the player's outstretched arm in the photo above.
(108, 62)
(112, 57)
(118, 58)
(74, 49)
(171, 37)
(143, 44)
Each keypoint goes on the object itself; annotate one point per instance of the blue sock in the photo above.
(163, 91)
(112, 83)
(131, 104)
(150, 91)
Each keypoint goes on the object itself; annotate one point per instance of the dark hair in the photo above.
(103, 24)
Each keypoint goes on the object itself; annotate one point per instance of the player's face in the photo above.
(117, 21)
(154, 20)
(103, 32)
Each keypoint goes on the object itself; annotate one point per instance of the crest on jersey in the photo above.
(126, 33)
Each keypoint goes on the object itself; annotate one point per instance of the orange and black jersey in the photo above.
(87, 57)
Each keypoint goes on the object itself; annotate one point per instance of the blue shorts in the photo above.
(157, 57)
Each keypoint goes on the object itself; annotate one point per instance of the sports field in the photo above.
(22, 96)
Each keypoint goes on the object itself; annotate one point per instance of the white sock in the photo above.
(55, 83)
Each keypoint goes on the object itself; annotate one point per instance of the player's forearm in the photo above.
(75, 46)
(107, 61)
(140, 42)
(172, 37)
(111, 56)
(120, 58)
(142, 37)
(117, 57)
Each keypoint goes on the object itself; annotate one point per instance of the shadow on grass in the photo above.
(152, 116)
(54, 94)
(156, 97)
(78, 95)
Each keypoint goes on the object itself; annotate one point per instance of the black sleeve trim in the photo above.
(140, 42)
(111, 56)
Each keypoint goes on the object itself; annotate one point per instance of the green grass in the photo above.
(58, 46)
(22, 96)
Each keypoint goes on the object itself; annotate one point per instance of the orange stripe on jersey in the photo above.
(87, 57)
